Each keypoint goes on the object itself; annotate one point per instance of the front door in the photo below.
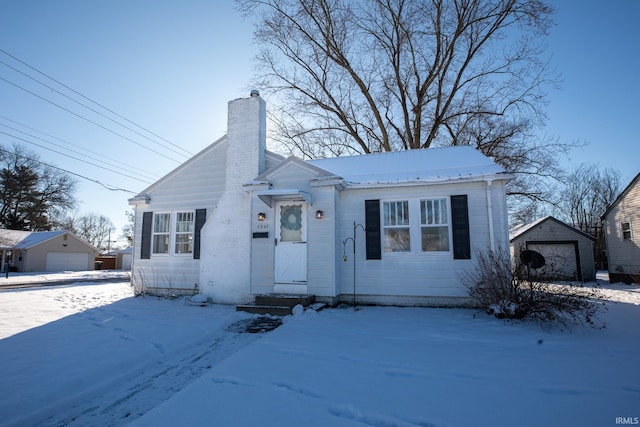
(291, 242)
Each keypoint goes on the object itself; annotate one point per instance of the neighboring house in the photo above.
(237, 221)
(568, 252)
(28, 251)
(622, 230)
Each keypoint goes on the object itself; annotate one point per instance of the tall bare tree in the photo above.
(92, 227)
(356, 76)
(588, 192)
(128, 228)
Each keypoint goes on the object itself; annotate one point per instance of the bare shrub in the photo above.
(510, 292)
(139, 283)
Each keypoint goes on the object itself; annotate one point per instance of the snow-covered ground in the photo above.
(91, 354)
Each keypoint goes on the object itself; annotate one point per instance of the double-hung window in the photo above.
(397, 231)
(626, 230)
(416, 225)
(434, 225)
(172, 233)
(161, 233)
(184, 233)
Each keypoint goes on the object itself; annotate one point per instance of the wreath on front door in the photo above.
(291, 217)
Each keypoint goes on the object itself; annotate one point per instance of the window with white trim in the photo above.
(161, 233)
(184, 233)
(416, 225)
(395, 223)
(434, 225)
(626, 230)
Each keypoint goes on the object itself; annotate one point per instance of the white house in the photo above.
(622, 231)
(237, 220)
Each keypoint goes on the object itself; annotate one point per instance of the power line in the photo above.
(102, 158)
(74, 158)
(110, 188)
(92, 101)
(91, 109)
(88, 120)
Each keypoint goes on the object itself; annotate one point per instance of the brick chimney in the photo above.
(225, 263)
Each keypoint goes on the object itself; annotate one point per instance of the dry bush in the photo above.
(510, 292)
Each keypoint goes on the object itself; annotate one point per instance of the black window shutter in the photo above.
(201, 217)
(372, 228)
(460, 227)
(145, 247)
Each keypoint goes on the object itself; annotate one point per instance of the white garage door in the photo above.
(560, 259)
(62, 261)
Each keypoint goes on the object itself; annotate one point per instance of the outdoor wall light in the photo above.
(262, 216)
(319, 215)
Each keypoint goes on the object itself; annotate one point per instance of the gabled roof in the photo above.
(622, 195)
(293, 160)
(17, 239)
(413, 166)
(519, 230)
(213, 146)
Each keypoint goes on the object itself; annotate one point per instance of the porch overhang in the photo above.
(268, 196)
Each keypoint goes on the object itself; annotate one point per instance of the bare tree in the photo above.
(587, 193)
(94, 228)
(384, 75)
(127, 230)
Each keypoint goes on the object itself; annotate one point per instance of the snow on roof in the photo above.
(523, 228)
(25, 239)
(9, 238)
(519, 230)
(426, 165)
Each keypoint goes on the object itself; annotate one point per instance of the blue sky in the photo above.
(172, 66)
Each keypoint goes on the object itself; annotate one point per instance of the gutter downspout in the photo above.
(492, 238)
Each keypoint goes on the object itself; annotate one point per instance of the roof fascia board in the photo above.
(479, 178)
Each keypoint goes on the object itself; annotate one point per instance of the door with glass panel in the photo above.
(291, 242)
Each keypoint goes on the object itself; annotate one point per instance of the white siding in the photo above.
(432, 275)
(624, 254)
(198, 186)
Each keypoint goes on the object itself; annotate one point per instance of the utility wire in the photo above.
(74, 158)
(91, 109)
(102, 158)
(110, 188)
(91, 100)
(88, 120)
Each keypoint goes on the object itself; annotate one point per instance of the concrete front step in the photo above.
(274, 310)
(285, 300)
(276, 304)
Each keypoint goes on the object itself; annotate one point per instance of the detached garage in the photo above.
(28, 251)
(568, 252)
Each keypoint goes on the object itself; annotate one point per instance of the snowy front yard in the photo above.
(91, 354)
